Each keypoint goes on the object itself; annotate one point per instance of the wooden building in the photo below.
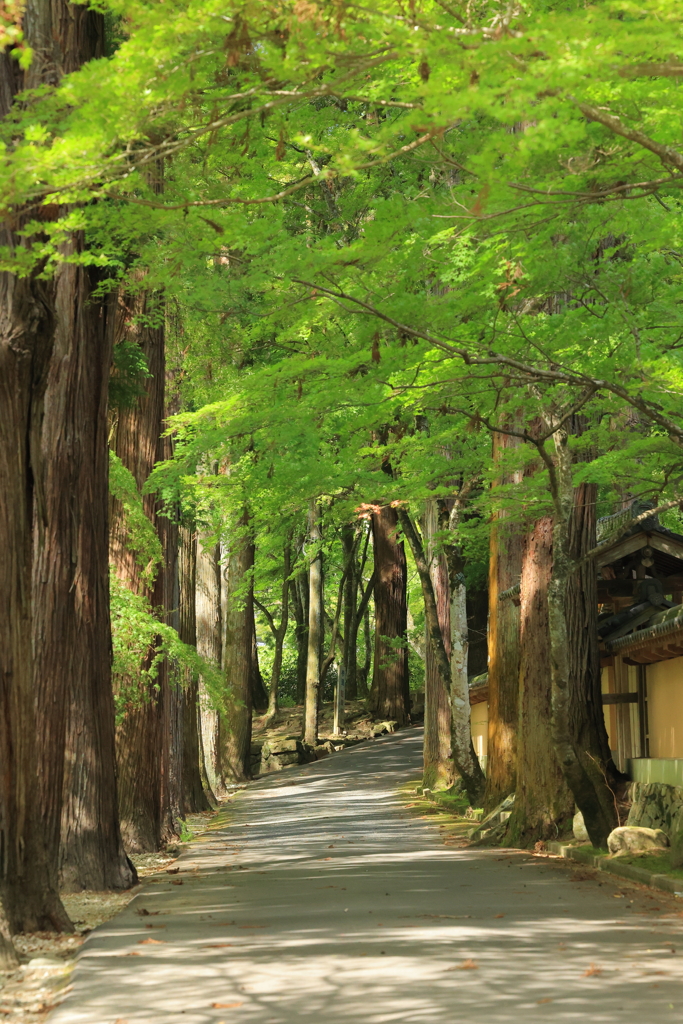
(640, 589)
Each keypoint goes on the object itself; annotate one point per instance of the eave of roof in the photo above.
(670, 630)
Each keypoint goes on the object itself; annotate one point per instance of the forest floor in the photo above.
(317, 894)
(358, 723)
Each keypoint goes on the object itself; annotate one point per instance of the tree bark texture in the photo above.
(543, 802)
(389, 694)
(235, 735)
(54, 365)
(350, 652)
(464, 757)
(259, 694)
(300, 610)
(586, 774)
(167, 598)
(587, 720)
(505, 567)
(210, 645)
(143, 737)
(438, 757)
(364, 672)
(194, 798)
(280, 632)
(315, 628)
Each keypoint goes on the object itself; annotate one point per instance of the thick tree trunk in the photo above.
(235, 736)
(543, 802)
(315, 628)
(194, 797)
(587, 775)
(464, 757)
(210, 645)
(28, 866)
(389, 694)
(143, 737)
(505, 567)
(438, 758)
(73, 564)
(53, 348)
(587, 720)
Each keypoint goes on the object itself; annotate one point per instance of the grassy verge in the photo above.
(445, 810)
(656, 863)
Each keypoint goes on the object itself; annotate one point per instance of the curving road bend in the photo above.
(319, 899)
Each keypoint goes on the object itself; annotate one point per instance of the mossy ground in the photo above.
(446, 810)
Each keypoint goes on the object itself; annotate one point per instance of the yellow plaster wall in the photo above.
(665, 708)
(607, 678)
(480, 727)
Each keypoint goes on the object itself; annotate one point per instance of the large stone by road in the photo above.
(323, 901)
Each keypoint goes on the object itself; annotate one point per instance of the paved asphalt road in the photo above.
(323, 901)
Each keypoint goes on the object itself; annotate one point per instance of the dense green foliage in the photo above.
(380, 232)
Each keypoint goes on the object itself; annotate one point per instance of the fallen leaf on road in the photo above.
(331, 846)
(225, 1006)
(252, 926)
(540, 1001)
(592, 971)
(155, 926)
(468, 965)
(134, 953)
(151, 942)
(218, 945)
(495, 915)
(178, 881)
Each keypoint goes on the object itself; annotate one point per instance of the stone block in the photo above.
(634, 840)
(579, 828)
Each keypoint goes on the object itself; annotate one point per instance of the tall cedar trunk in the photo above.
(209, 624)
(505, 566)
(28, 867)
(587, 775)
(142, 741)
(587, 719)
(235, 736)
(194, 798)
(543, 803)
(438, 759)
(349, 655)
(73, 566)
(453, 671)
(45, 345)
(389, 693)
(166, 597)
(315, 628)
(300, 595)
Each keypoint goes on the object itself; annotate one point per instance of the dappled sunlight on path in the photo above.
(319, 898)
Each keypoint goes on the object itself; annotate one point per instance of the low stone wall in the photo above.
(656, 805)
